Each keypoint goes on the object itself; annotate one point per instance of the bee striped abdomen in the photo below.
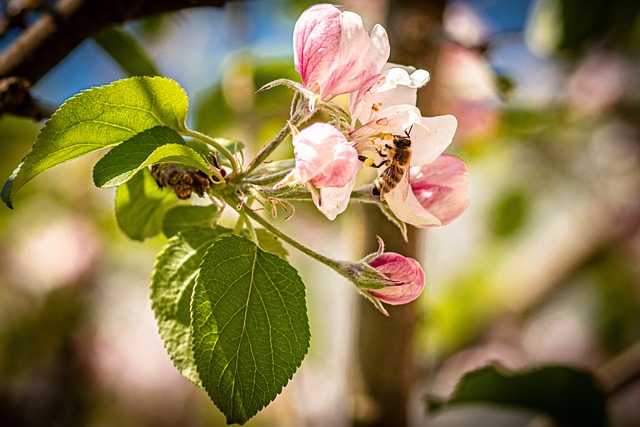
(388, 179)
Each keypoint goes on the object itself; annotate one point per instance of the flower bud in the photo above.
(405, 274)
(324, 157)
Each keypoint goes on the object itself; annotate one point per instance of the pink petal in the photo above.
(334, 54)
(406, 272)
(316, 41)
(441, 187)
(324, 157)
(360, 58)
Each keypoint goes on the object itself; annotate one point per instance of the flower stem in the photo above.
(245, 222)
(297, 119)
(285, 193)
(267, 178)
(210, 142)
(336, 265)
(364, 195)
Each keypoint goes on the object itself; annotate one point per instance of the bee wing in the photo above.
(404, 185)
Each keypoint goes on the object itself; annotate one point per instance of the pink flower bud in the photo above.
(334, 54)
(441, 187)
(324, 157)
(406, 273)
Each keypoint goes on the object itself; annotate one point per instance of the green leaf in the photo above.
(184, 217)
(125, 50)
(98, 118)
(156, 145)
(250, 326)
(141, 205)
(571, 396)
(172, 284)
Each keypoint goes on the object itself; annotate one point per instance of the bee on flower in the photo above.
(335, 55)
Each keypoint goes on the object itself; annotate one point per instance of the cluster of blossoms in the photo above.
(335, 55)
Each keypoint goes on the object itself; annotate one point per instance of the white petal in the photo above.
(410, 210)
(398, 85)
(333, 200)
(431, 137)
(399, 76)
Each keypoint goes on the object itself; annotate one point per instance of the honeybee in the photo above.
(397, 158)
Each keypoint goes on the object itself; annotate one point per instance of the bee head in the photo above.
(402, 141)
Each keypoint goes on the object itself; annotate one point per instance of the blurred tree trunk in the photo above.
(385, 346)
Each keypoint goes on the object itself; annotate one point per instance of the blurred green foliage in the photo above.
(614, 22)
(618, 316)
(125, 50)
(233, 103)
(43, 377)
(509, 213)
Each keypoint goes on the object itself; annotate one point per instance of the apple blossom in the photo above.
(334, 54)
(430, 136)
(405, 274)
(327, 163)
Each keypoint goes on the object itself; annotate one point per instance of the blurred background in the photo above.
(543, 268)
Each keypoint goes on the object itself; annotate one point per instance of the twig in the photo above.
(15, 99)
(57, 33)
(50, 39)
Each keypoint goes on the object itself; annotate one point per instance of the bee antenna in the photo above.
(408, 132)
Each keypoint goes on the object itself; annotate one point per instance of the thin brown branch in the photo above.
(15, 99)
(57, 33)
(50, 39)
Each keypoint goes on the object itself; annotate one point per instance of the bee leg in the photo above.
(382, 163)
(368, 161)
(382, 152)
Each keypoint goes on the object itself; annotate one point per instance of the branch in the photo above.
(60, 29)
(49, 40)
(15, 99)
